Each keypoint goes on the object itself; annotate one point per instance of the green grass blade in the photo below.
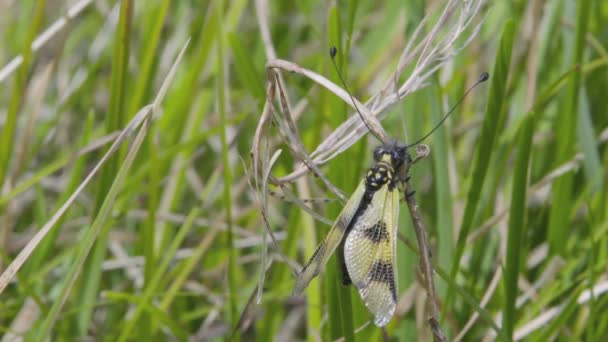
(147, 234)
(314, 302)
(517, 221)
(148, 55)
(176, 124)
(7, 136)
(443, 192)
(43, 252)
(565, 129)
(90, 236)
(246, 70)
(60, 162)
(586, 137)
(188, 266)
(471, 301)
(221, 89)
(153, 285)
(340, 309)
(116, 118)
(568, 308)
(493, 116)
(160, 315)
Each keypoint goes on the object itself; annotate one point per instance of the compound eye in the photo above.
(397, 159)
(378, 153)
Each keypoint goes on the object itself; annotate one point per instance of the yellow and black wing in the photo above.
(330, 242)
(369, 254)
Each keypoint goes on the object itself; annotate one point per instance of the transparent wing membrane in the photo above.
(369, 253)
(330, 242)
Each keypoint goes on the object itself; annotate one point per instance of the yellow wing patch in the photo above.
(330, 242)
(369, 254)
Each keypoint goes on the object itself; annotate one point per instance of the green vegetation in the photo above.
(140, 164)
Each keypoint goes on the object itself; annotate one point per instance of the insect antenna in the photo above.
(482, 78)
(332, 52)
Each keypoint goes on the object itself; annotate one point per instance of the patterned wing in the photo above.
(330, 242)
(369, 253)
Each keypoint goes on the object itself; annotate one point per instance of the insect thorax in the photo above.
(390, 159)
(378, 175)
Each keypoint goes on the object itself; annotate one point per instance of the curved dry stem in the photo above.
(429, 52)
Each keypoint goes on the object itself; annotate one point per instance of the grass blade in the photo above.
(115, 120)
(566, 126)
(443, 193)
(152, 286)
(494, 112)
(97, 228)
(517, 221)
(7, 137)
(44, 250)
(221, 89)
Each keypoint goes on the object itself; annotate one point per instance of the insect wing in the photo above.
(369, 253)
(330, 242)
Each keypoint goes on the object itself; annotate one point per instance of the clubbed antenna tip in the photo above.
(483, 77)
(332, 52)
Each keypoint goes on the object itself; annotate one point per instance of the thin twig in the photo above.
(425, 253)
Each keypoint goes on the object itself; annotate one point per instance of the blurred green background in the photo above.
(166, 241)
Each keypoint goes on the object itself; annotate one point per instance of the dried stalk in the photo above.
(424, 249)
(429, 54)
